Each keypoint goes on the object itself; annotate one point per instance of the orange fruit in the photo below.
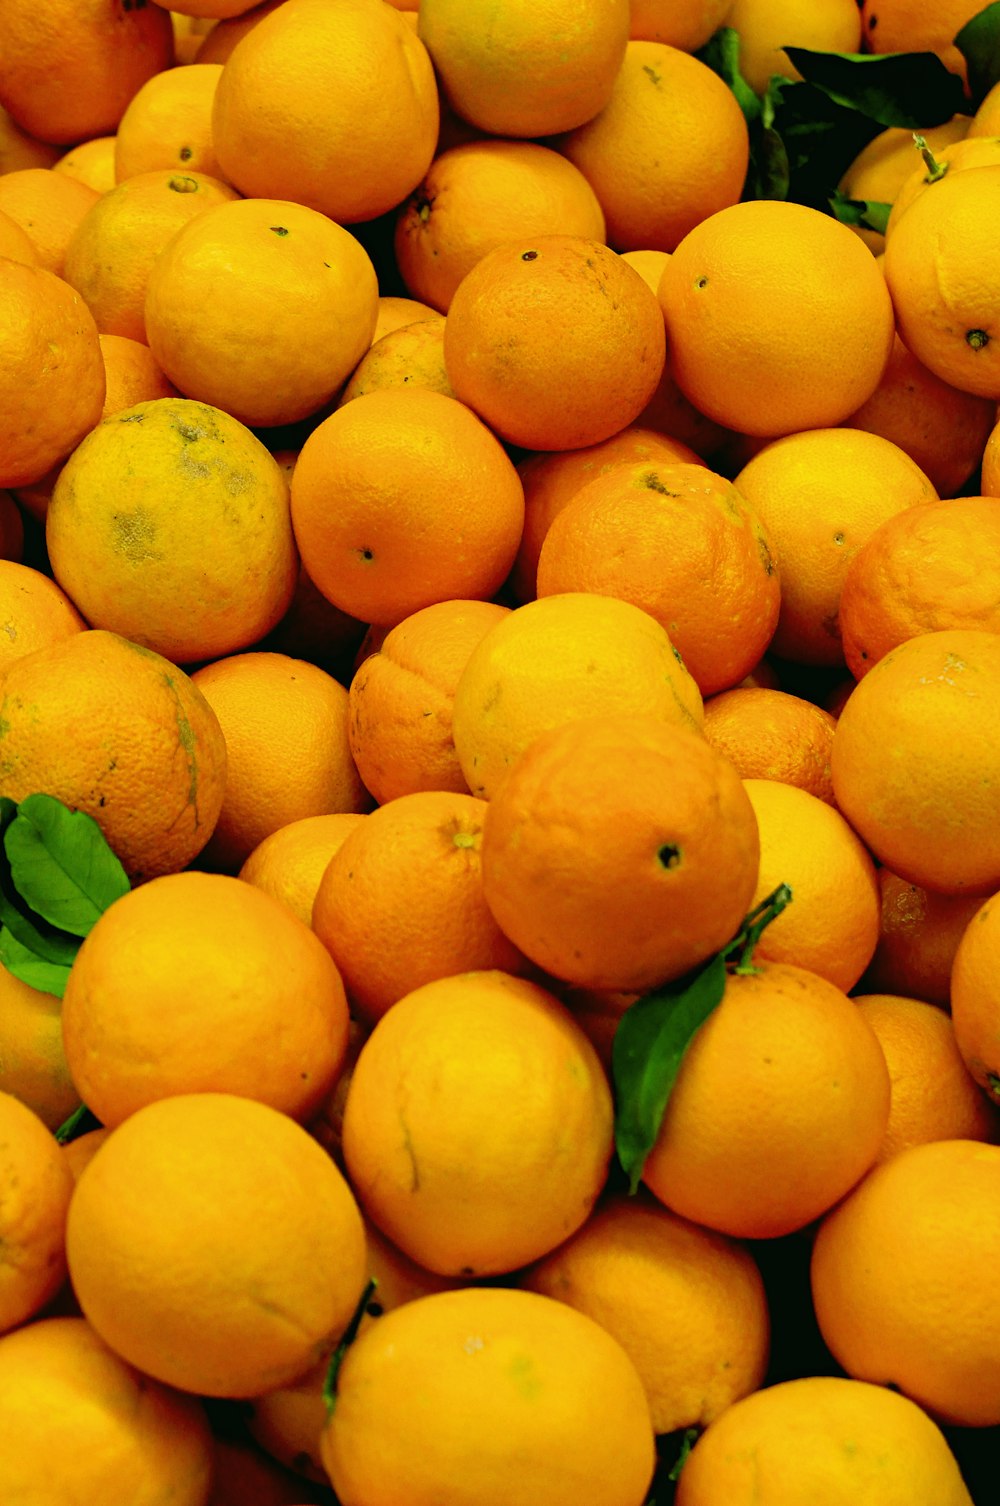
(986, 120)
(619, 852)
(217, 44)
(688, 24)
(820, 495)
(522, 332)
(80, 1152)
(168, 123)
(36, 1192)
(462, 209)
(396, 313)
(20, 149)
(213, 1244)
(34, 612)
(15, 243)
(652, 195)
(990, 479)
(112, 729)
(795, 1046)
(314, 84)
(401, 902)
(768, 365)
(532, 70)
(822, 1437)
(908, 26)
(525, 1396)
(681, 543)
(485, 1060)
(766, 27)
(957, 156)
(314, 629)
(686, 1304)
(975, 1003)
(32, 1061)
(401, 499)
(882, 166)
(919, 935)
(92, 162)
(412, 356)
(401, 699)
(285, 722)
(131, 374)
(905, 1283)
(929, 810)
(70, 70)
(555, 660)
(111, 256)
(48, 206)
(121, 1435)
(210, 327)
(290, 862)
(768, 734)
(48, 404)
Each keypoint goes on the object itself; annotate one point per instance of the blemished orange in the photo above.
(765, 364)
(688, 24)
(253, 1005)
(92, 162)
(975, 1000)
(412, 356)
(111, 256)
(48, 206)
(820, 496)
(822, 1437)
(210, 295)
(554, 660)
(70, 69)
(918, 937)
(687, 1305)
(881, 167)
(620, 852)
(34, 612)
(32, 1060)
(533, 70)
(131, 374)
(905, 1281)
(932, 567)
(170, 524)
(933, 1095)
(401, 699)
(20, 149)
(168, 123)
(401, 902)
(213, 1244)
(680, 542)
(769, 734)
(313, 83)
(285, 722)
(15, 243)
(794, 1045)
(652, 196)
(928, 812)
(486, 1060)
(404, 498)
(909, 26)
(112, 729)
(831, 926)
(36, 1188)
(523, 332)
(48, 405)
(395, 312)
(290, 862)
(121, 1435)
(463, 206)
(767, 27)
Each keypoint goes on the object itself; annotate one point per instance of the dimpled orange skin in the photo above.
(975, 998)
(768, 734)
(35, 1188)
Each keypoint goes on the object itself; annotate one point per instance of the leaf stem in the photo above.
(935, 169)
(760, 917)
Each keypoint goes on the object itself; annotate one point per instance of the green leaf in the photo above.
(8, 810)
(350, 1334)
(50, 977)
(649, 1045)
(911, 89)
(79, 1123)
(721, 53)
(979, 44)
(61, 864)
(870, 213)
(688, 1442)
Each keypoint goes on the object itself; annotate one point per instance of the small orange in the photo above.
(34, 612)
(991, 463)
(918, 938)
(92, 162)
(131, 374)
(975, 1001)
(79, 1152)
(48, 206)
(36, 1187)
(766, 27)
(168, 123)
(412, 356)
(768, 734)
(396, 313)
(290, 862)
(32, 1060)
(688, 24)
(19, 148)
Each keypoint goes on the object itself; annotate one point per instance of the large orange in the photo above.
(35, 1188)
(975, 999)
(918, 937)
(34, 612)
(48, 206)
(168, 124)
(768, 734)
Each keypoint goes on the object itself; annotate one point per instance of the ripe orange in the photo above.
(412, 356)
(32, 1061)
(986, 121)
(15, 243)
(20, 149)
(80, 1152)
(131, 374)
(769, 734)
(990, 482)
(688, 24)
(919, 935)
(882, 166)
(217, 44)
(975, 1002)
(290, 862)
(765, 364)
(48, 206)
(35, 1188)
(909, 26)
(401, 499)
(92, 162)
(168, 124)
(396, 313)
(34, 612)
(957, 156)
(767, 27)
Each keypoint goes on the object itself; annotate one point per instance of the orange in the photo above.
(92, 162)
(914, 761)
(832, 925)
(909, 26)
(986, 121)
(795, 1046)
(687, 1305)
(766, 364)
(822, 1438)
(217, 44)
(766, 27)
(932, 567)
(244, 1472)
(412, 356)
(530, 70)
(288, 756)
(669, 148)
(209, 302)
(975, 1003)
(933, 1096)
(36, 1188)
(48, 206)
(314, 629)
(290, 862)
(681, 543)
(168, 124)
(111, 256)
(32, 1061)
(462, 209)
(940, 428)
(112, 729)
(401, 902)
(71, 67)
(396, 313)
(919, 935)
(957, 156)
(15, 243)
(506, 1135)
(404, 498)
(555, 660)
(820, 496)
(525, 1396)
(213, 1244)
(688, 24)
(121, 1435)
(884, 163)
(131, 374)
(34, 612)
(401, 699)
(332, 105)
(990, 479)
(80, 1152)
(20, 149)
(554, 341)
(48, 403)
(768, 734)
(905, 1281)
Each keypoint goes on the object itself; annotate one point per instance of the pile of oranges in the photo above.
(467, 557)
